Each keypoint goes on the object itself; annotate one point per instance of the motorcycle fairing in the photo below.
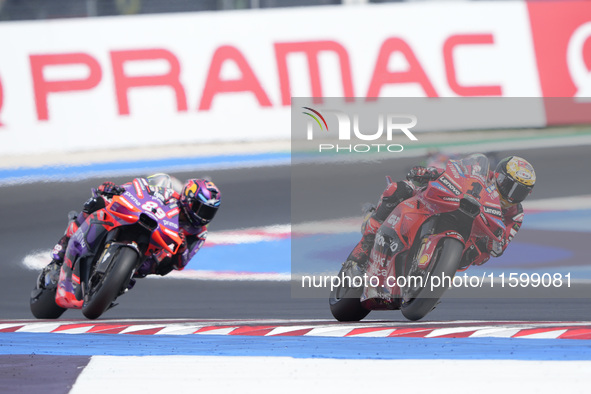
(138, 205)
(459, 204)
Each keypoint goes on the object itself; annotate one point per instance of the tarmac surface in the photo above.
(34, 218)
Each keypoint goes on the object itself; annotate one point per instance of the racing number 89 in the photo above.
(153, 207)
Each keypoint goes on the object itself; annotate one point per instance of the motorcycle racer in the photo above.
(198, 202)
(513, 178)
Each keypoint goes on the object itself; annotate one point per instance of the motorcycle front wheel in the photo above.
(108, 286)
(419, 302)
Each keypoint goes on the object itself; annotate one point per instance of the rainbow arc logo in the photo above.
(316, 118)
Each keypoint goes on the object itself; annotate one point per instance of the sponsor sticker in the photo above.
(454, 234)
(492, 211)
(447, 183)
(138, 188)
(452, 199)
(173, 212)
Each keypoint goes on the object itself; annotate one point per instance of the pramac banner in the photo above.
(68, 85)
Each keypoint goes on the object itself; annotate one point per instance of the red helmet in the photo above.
(200, 200)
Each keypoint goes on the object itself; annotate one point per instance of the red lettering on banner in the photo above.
(43, 88)
(382, 76)
(448, 48)
(248, 81)
(563, 55)
(124, 82)
(312, 49)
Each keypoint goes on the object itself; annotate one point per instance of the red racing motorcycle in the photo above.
(419, 247)
(105, 252)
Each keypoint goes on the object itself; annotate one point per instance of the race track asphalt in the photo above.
(33, 217)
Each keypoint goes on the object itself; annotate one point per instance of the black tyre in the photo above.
(43, 304)
(106, 288)
(345, 304)
(446, 258)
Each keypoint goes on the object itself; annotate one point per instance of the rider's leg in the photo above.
(59, 250)
(75, 220)
(392, 196)
(51, 271)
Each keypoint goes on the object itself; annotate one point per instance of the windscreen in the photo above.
(476, 165)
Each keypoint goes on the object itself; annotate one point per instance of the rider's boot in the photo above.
(59, 251)
(50, 273)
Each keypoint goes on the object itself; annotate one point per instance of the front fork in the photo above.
(428, 245)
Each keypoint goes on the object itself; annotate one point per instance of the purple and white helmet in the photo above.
(200, 200)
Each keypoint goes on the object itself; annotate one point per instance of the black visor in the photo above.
(514, 192)
(204, 212)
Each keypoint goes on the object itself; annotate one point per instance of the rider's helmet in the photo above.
(200, 200)
(515, 179)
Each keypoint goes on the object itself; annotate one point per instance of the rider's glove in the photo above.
(421, 175)
(496, 248)
(165, 266)
(368, 208)
(183, 246)
(110, 189)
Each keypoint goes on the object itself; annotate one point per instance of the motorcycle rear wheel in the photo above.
(345, 303)
(112, 284)
(446, 262)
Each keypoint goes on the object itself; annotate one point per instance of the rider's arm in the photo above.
(513, 217)
(109, 189)
(194, 243)
(191, 243)
(97, 200)
(397, 192)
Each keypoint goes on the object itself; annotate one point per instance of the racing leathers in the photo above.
(159, 264)
(193, 238)
(397, 192)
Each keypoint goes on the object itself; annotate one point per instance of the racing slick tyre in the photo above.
(43, 304)
(417, 303)
(345, 303)
(105, 288)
